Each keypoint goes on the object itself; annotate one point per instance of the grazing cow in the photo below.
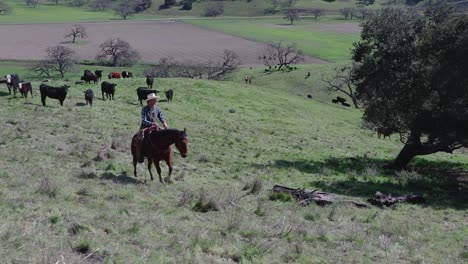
(309, 96)
(98, 74)
(169, 94)
(385, 132)
(13, 81)
(24, 88)
(88, 96)
(334, 101)
(340, 99)
(248, 79)
(109, 89)
(88, 76)
(142, 93)
(127, 74)
(346, 104)
(149, 81)
(53, 92)
(114, 75)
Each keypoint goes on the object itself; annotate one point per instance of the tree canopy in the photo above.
(117, 52)
(411, 78)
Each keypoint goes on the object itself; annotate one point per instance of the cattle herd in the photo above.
(14, 83)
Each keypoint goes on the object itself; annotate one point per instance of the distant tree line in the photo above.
(167, 67)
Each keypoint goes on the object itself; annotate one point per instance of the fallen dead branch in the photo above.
(304, 197)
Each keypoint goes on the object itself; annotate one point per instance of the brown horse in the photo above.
(157, 146)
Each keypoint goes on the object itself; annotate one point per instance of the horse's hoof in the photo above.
(168, 180)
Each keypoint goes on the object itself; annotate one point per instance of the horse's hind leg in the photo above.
(158, 169)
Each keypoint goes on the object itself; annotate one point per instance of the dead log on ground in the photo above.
(381, 199)
(304, 197)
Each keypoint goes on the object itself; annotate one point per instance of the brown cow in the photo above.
(24, 88)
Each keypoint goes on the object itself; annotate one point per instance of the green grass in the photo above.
(90, 205)
(308, 34)
(52, 13)
(48, 12)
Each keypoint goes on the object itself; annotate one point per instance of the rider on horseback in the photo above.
(149, 115)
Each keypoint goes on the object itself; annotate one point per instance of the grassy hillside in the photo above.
(327, 40)
(49, 12)
(67, 192)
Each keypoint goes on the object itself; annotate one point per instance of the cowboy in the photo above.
(149, 115)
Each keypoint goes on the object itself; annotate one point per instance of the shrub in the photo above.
(214, 9)
(277, 196)
(48, 187)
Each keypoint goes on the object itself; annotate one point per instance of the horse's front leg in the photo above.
(169, 165)
(150, 162)
(158, 169)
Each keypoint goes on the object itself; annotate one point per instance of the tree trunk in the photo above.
(74, 37)
(410, 150)
(354, 102)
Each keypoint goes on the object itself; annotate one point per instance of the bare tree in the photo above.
(340, 81)
(291, 14)
(32, 3)
(229, 63)
(77, 31)
(118, 52)
(348, 12)
(275, 53)
(317, 12)
(365, 12)
(61, 58)
(168, 67)
(100, 5)
(125, 8)
(214, 9)
(42, 68)
(4, 8)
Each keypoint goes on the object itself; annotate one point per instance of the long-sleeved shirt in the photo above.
(149, 116)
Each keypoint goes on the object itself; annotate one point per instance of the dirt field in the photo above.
(153, 39)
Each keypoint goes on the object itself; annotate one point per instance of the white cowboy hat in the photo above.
(152, 96)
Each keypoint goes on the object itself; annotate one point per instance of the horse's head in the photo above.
(181, 143)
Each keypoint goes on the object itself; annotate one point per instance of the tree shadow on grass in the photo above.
(443, 184)
(122, 178)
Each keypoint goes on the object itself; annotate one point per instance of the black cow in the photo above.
(169, 94)
(109, 89)
(149, 81)
(53, 92)
(346, 104)
(334, 101)
(142, 93)
(98, 74)
(88, 96)
(24, 88)
(127, 74)
(88, 76)
(340, 99)
(13, 82)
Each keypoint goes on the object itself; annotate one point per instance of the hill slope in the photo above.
(67, 193)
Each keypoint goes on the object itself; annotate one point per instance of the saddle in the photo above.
(144, 132)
